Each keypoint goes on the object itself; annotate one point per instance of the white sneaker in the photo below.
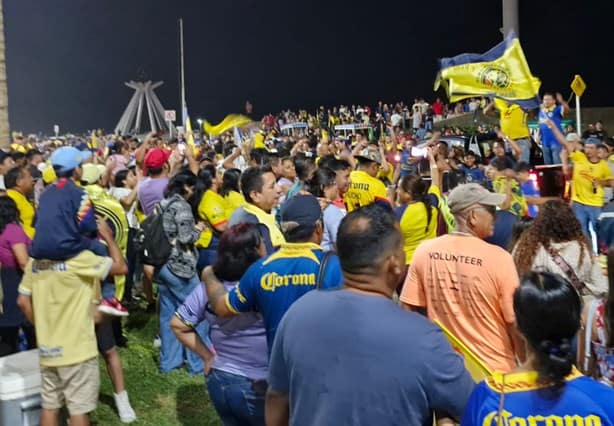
(126, 413)
(157, 342)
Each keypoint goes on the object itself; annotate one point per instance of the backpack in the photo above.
(151, 240)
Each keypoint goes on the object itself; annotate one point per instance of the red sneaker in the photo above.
(112, 307)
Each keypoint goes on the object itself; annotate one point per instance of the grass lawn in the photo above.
(171, 399)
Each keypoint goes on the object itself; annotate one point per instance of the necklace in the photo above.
(464, 234)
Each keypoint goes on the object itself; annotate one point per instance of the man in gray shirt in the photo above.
(354, 356)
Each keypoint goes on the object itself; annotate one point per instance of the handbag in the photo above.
(578, 284)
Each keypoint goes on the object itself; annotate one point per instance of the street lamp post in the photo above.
(5, 139)
(510, 17)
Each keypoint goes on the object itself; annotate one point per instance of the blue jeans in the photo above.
(587, 215)
(525, 149)
(234, 398)
(552, 154)
(207, 256)
(172, 291)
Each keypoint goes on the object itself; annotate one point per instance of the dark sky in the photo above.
(67, 59)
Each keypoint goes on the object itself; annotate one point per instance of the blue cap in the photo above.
(300, 211)
(68, 158)
(592, 141)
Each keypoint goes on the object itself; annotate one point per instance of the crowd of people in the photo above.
(310, 276)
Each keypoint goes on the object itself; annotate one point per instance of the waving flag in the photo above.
(502, 72)
(230, 121)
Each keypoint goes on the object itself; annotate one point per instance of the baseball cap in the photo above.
(156, 158)
(592, 141)
(68, 158)
(300, 211)
(370, 155)
(469, 194)
(92, 172)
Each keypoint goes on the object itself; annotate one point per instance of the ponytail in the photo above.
(555, 360)
(426, 200)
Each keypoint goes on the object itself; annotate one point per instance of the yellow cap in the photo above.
(92, 172)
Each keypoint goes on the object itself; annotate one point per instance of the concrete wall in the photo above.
(589, 115)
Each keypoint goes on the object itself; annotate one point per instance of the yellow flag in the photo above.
(230, 121)
(474, 365)
(94, 141)
(259, 140)
(188, 131)
(502, 72)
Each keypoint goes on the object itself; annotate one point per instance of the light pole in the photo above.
(200, 127)
(5, 139)
(510, 17)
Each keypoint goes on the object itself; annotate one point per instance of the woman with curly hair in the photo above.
(555, 243)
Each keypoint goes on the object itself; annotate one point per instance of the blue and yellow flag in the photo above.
(502, 72)
(230, 121)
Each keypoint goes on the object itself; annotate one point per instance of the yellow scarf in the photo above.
(267, 219)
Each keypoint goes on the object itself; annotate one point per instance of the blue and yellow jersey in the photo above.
(274, 283)
(582, 402)
(555, 114)
(364, 190)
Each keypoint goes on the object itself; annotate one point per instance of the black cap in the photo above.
(300, 211)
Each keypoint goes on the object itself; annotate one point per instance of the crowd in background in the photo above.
(226, 239)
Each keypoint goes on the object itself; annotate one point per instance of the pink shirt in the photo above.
(12, 234)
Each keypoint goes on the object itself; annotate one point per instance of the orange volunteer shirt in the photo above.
(468, 286)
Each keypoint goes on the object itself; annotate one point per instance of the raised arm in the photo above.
(216, 293)
(569, 146)
(563, 103)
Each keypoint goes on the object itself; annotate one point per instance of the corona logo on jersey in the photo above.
(271, 280)
(508, 419)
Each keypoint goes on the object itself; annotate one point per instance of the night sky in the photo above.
(67, 59)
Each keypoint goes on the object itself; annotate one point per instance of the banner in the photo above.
(230, 121)
(502, 72)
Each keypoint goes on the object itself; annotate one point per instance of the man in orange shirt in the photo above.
(467, 284)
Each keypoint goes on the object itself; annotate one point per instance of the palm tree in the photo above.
(4, 98)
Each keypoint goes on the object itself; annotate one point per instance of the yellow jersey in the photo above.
(213, 209)
(584, 173)
(413, 221)
(513, 120)
(63, 295)
(364, 190)
(234, 200)
(519, 203)
(26, 211)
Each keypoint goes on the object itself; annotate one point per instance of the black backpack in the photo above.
(151, 240)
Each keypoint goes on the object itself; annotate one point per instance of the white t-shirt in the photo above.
(417, 120)
(238, 163)
(395, 119)
(2, 187)
(120, 193)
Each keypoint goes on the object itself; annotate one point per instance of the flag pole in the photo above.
(183, 108)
